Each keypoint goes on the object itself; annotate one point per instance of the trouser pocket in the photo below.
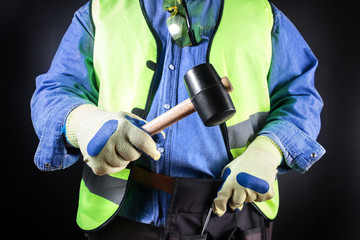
(250, 234)
(190, 204)
(248, 224)
(191, 200)
(177, 236)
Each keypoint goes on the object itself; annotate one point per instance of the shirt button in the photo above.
(161, 150)
(167, 106)
(171, 67)
(47, 165)
(313, 155)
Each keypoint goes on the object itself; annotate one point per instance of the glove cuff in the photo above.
(268, 145)
(74, 120)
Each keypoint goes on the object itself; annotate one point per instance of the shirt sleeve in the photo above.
(294, 120)
(69, 83)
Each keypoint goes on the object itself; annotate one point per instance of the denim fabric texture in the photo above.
(190, 149)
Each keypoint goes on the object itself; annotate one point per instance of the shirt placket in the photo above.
(168, 99)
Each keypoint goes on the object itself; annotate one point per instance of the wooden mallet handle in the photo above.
(170, 117)
(177, 113)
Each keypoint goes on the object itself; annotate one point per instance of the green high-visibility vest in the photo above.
(124, 44)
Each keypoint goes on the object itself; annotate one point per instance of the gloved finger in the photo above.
(111, 170)
(142, 141)
(266, 196)
(220, 203)
(251, 196)
(137, 121)
(238, 208)
(237, 200)
(112, 164)
(252, 182)
(125, 151)
(158, 138)
(101, 138)
(101, 168)
(223, 195)
(222, 199)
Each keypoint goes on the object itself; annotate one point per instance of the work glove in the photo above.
(109, 141)
(250, 176)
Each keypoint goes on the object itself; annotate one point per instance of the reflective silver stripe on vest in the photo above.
(242, 133)
(110, 188)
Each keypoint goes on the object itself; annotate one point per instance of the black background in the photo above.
(323, 203)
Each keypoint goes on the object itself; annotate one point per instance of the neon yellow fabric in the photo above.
(271, 207)
(241, 50)
(115, 31)
(124, 174)
(237, 151)
(115, 22)
(244, 56)
(93, 210)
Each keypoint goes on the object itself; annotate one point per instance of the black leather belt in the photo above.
(153, 180)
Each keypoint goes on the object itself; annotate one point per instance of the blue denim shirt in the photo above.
(190, 148)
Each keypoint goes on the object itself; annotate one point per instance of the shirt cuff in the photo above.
(300, 151)
(51, 153)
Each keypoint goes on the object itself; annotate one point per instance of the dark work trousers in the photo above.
(190, 204)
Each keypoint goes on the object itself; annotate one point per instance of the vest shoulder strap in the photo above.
(123, 46)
